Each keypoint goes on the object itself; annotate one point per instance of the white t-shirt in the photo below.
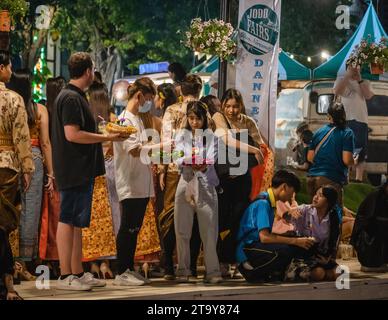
(354, 102)
(133, 177)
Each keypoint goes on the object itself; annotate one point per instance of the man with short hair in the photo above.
(15, 161)
(261, 253)
(77, 159)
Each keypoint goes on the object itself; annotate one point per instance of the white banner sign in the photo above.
(257, 61)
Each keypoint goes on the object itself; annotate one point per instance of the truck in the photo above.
(309, 100)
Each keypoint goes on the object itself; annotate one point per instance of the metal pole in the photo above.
(223, 66)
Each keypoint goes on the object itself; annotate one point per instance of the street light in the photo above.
(325, 55)
(292, 56)
(309, 59)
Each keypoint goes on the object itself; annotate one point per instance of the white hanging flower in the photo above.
(212, 37)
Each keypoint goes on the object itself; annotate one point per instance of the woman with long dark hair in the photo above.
(38, 121)
(202, 200)
(51, 202)
(235, 188)
(321, 221)
(105, 212)
(213, 103)
(331, 153)
(53, 87)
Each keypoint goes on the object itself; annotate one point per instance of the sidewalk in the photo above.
(362, 286)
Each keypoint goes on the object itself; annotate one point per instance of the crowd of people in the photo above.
(166, 193)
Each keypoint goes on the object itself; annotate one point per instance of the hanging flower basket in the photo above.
(5, 21)
(371, 54)
(376, 68)
(213, 37)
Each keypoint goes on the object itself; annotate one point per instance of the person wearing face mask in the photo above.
(134, 180)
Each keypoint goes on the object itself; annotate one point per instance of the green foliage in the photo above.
(16, 8)
(354, 193)
(142, 33)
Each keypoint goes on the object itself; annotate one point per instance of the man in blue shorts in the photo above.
(77, 160)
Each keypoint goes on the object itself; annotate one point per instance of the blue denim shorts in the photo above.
(76, 205)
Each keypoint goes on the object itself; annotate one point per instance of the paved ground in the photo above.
(362, 286)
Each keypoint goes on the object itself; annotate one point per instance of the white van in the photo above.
(309, 101)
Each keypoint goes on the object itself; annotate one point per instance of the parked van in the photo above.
(309, 101)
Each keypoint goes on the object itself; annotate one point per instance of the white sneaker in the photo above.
(182, 279)
(90, 280)
(137, 275)
(127, 279)
(213, 280)
(237, 274)
(72, 283)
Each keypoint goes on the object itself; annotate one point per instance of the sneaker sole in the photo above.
(72, 289)
(125, 284)
(98, 285)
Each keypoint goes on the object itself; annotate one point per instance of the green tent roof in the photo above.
(289, 69)
(370, 25)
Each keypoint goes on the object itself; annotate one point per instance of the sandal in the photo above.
(106, 272)
(24, 274)
(16, 275)
(17, 294)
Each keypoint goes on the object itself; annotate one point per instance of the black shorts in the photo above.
(360, 131)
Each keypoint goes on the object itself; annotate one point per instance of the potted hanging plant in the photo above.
(213, 37)
(375, 55)
(9, 11)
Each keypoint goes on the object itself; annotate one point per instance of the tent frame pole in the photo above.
(223, 65)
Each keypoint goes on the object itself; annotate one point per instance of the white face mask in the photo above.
(145, 107)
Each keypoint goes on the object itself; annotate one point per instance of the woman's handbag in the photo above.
(223, 169)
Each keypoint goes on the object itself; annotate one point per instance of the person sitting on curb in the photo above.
(370, 237)
(262, 254)
(320, 220)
